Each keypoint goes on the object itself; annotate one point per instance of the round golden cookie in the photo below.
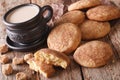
(93, 29)
(64, 38)
(93, 54)
(103, 13)
(75, 17)
(83, 4)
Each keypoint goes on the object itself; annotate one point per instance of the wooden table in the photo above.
(74, 71)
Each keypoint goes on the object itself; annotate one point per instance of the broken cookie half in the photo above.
(44, 60)
(52, 57)
(44, 69)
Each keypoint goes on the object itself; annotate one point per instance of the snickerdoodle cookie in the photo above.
(64, 38)
(93, 29)
(93, 54)
(103, 13)
(83, 4)
(75, 17)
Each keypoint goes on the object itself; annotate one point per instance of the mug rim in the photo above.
(24, 22)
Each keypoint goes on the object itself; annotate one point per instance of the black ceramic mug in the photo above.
(26, 23)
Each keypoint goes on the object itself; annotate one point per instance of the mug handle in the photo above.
(50, 12)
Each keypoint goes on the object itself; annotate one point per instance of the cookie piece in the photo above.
(4, 59)
(21, 76)
(28, 56)
(93, 54)
(83, 4)
(7, 69)
(93, 29)
(103, 13)
(75, 17)
(52, 57)
(44, 69)
(3, 48)
(17, 60)
(64, 38)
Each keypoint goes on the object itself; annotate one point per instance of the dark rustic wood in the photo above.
(110, 71)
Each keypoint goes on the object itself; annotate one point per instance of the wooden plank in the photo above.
(108, 72)
(116, 2)
(115, 36)
(4, 6)
(73, 72)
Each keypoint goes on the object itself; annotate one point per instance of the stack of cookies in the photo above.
(85, 20)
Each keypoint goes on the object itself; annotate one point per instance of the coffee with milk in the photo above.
(22, 14)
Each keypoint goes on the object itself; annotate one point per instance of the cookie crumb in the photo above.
(3, 48)
(21, 76)
(4, 59)
(7, 69)
(17, 60)
(28, 56)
